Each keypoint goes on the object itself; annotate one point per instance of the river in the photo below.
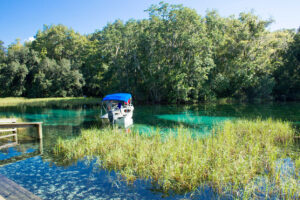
(32, 164)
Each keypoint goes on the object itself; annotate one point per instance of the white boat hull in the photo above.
(122, 118)
(124, 122)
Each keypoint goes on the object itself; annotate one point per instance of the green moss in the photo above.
(233, 157)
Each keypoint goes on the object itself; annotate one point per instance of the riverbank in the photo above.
(17, 101)
(243, 158)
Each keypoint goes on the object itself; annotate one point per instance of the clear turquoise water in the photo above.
(34, 167)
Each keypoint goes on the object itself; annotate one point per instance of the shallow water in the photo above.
(32, 165)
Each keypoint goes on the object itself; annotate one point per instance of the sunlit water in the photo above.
(32, 165)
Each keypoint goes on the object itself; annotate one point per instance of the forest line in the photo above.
(174, 56)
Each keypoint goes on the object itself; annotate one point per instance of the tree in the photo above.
(59, 42)
(173, 56)
(2, 52)
(287, 74)
(56, 79)
(12, 79)
(243, 56)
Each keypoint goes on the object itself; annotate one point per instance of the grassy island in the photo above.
(243, 158)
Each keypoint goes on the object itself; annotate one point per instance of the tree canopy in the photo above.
(174, 56)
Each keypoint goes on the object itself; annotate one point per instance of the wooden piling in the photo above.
(40, 131)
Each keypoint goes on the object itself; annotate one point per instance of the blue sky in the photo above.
(23, 18)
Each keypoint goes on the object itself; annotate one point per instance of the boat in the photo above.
(118, 108)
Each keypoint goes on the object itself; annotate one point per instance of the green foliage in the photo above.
(287, 75)
(174, 56)
(24, 73)
(231, 160)
(58, 42)
(243, 54)
(2, 52)
(53, 78)
(163, 58)
(12, 79)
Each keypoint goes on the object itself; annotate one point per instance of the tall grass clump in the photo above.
(242, 158)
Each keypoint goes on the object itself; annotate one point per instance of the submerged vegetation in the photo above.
(17, 101)
(247, 159)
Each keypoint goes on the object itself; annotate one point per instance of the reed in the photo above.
(17, 101)
(241, 158)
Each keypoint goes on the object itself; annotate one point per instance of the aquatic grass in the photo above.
(17, 101)
(239, 158)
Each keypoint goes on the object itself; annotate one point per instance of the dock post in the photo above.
(40, 147)
(40, 131)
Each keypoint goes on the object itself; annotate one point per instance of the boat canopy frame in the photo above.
(125, 97)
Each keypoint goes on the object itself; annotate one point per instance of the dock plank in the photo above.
(9, 120)
(8, 145)
(10, 190)
(6, 136)
(38, 125)
(20, 125)
(8, 130)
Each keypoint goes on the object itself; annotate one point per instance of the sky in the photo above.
(23, 18)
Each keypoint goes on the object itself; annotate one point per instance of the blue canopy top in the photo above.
(117, 97)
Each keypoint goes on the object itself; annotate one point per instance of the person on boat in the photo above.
(109, 105)
(120, 106)
(110, 112)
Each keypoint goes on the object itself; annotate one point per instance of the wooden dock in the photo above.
(9, 128)
(9, 190)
